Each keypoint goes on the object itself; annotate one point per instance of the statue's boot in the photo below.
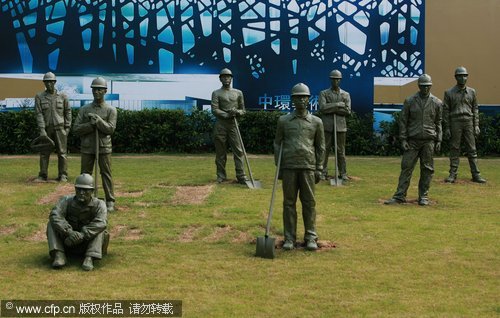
(59, 259)
(88, 263)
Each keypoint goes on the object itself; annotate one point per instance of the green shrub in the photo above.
(155, 130)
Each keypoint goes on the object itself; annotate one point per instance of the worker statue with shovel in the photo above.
(335, 106)
(301, 137)
(95, 124)
(228, 105)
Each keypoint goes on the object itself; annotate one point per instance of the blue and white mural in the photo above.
(269, 45)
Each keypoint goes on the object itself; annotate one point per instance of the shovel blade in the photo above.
(265, 247)
(336, 182)
(255, 185)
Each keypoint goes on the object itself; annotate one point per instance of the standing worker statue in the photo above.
(97, 120)
(77, 224)
(420, 134)
(227, 104)
(302, 138)
(53, 117)
(335, 106)
(461, 120)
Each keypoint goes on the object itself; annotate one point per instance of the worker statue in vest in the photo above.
(334, 107)
(77, 224)
(461, 121)
(53, 117)
(227, 105)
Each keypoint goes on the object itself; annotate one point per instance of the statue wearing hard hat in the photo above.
(227, 105)
(461, 121)
(420, 135)
(77, 224)
(334, 107)
(53, 117)
(97, 120)
(302, 138)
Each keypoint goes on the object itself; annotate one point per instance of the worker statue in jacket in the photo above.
(420, 135)
(461, 122)
(53, 117)
(334, 108)
(227, 105)
(303, 140)
(77, 224)
(97, 120)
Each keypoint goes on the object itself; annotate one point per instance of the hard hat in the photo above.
(300, 89)
(461, 71)
(226, 71)
(42, 144)
(84, 181)
(49, 76)
(335, 74)
(425, 80)
(99, 82)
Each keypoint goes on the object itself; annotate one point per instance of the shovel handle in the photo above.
(96, 161)
(244, 152)
(271, 205)
(335, 146)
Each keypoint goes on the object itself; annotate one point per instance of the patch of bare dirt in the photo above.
(191, 194)
(457, 181)
(122, 208)
(129, 194)
(354, 178)
(52, 198)
(125, 232)
(143, 204)
(408, 202)
(39, 236)
(34, 180)
(322, 245)
(8, 229)
(189, 234)
(242, 237)
(218, 233)
(142, 214)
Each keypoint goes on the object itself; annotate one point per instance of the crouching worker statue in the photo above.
(77, 225)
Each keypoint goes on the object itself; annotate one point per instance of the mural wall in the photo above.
(269, 45)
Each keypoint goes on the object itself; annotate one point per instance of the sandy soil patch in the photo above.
(190, 233)
(218, 233)
(191, 194)
(125, 232)
(129, 194)
(8, 229)
(39, 236)
(61, 190)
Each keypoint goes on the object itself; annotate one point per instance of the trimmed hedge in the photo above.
(155, 130)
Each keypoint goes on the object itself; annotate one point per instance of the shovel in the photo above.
(335, 181)
(252, 184)
(265, 244)
(96, 177)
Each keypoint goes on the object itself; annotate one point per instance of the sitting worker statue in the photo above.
(77, 224)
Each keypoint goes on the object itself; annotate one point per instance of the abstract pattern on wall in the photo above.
(269, 45)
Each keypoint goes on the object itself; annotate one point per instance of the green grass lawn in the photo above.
(175, 243)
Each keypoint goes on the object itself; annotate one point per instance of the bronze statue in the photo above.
(95, 124)
(228, 105)
(420, 135)
(302, 138)
(53, 117)
(461, 120)
(77, 224)
(334, 107)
